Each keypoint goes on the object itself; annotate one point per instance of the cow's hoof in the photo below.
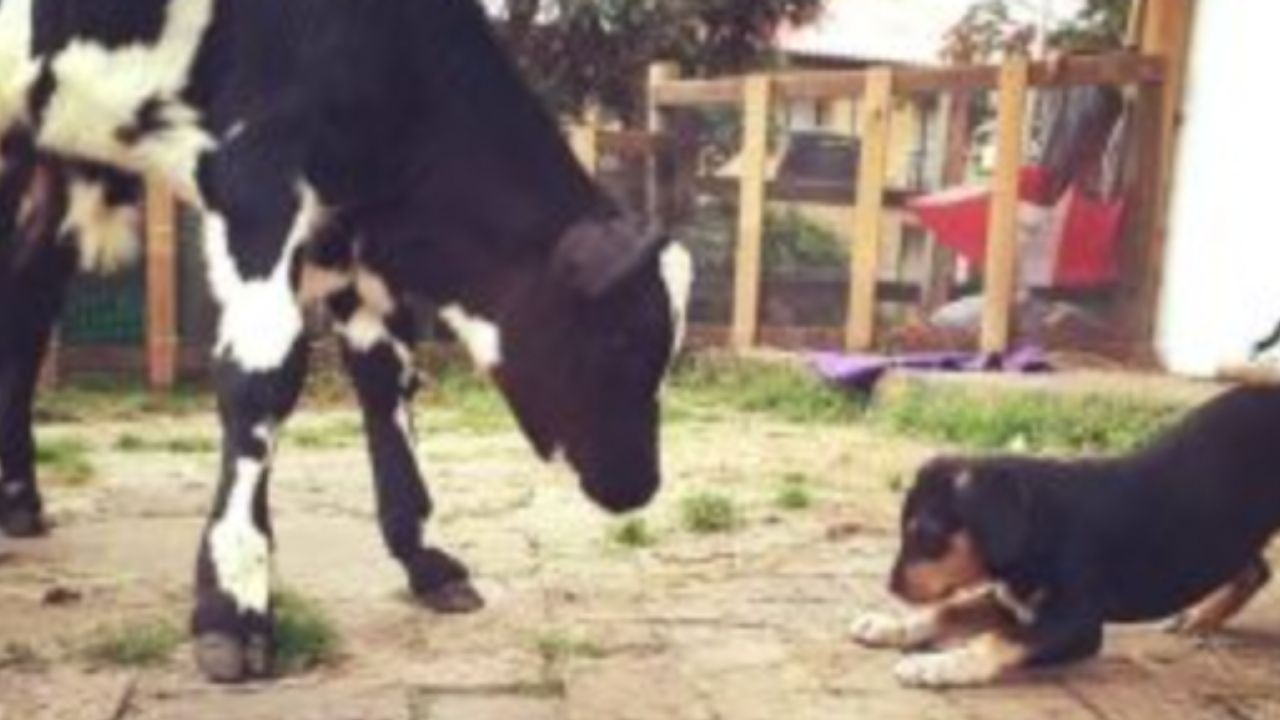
(223, 658)
(453, 598)
(23, 523)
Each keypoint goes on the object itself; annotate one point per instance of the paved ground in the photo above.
(736, 626)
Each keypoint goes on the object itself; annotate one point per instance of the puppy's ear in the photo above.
(996, 507)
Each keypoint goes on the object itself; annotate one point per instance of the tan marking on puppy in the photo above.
(980, 661)
(1210, 614)
(931, 581)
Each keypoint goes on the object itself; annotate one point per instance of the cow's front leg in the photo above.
(260, 368)
(36, 267)
(27, 325)
(378, 339)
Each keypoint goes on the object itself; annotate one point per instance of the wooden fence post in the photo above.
(1001, 275)
(161, 237)
(868, 221)
(752, 201)
(656, 124)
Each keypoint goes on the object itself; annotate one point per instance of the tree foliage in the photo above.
(580, 50)
(1101, 25)
(990, 29)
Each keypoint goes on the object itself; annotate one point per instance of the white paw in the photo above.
(879, 630)
(955, 668)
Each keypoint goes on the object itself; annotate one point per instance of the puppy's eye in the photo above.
(928, 536)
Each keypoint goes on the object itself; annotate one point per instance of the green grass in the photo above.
(632, 533)
(96, 398)
(557, 645)
(133, 643)
(1026, 421)
(703, 386)
(707, 513)
(458, 399)
(794, 493)
(336, 434)
(65, 461)
(306, 637)
(130, 442)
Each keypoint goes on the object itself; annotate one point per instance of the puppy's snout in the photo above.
(897, 584)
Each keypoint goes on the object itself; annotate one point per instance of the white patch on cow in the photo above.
(364, 330)
(15, 65)
(107, 235)
(482, 338)
(240, 552)
(265, 432)
(677, 275)
(100, 89)
(261, 318)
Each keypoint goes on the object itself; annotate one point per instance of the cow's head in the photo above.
(574, 310)
(578, 341)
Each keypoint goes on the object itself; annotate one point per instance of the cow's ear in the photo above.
(594, 256)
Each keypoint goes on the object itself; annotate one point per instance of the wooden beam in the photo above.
(162, 287)
(634, 143)
(1120, 68)
(757, 104)
(698, 92)
(1001, 276)
(868, 213)
(1166, 34)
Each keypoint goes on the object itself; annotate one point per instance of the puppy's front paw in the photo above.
(880, 630)
(954, 668)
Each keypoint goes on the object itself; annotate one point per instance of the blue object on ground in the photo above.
(861, 372)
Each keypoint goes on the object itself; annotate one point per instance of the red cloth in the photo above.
(1071, 243)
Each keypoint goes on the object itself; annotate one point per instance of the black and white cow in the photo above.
(346, 152)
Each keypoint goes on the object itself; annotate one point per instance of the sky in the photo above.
(902, 30)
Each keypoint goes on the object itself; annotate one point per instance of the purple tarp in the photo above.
(862, 372)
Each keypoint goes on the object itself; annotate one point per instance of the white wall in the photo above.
(1221, 289)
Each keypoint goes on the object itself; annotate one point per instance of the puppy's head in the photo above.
(963, 520)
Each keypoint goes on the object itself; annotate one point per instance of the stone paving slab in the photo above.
(738, 626)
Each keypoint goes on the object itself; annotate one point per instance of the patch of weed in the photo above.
(330, 436)
(706, 513)
(65, 461)
(632, 533)
(133, 643)
(556, 645)
(130, 442)
(794, 494)
(306, 637)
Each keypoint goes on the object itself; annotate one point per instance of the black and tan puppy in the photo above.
(1022, 561)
